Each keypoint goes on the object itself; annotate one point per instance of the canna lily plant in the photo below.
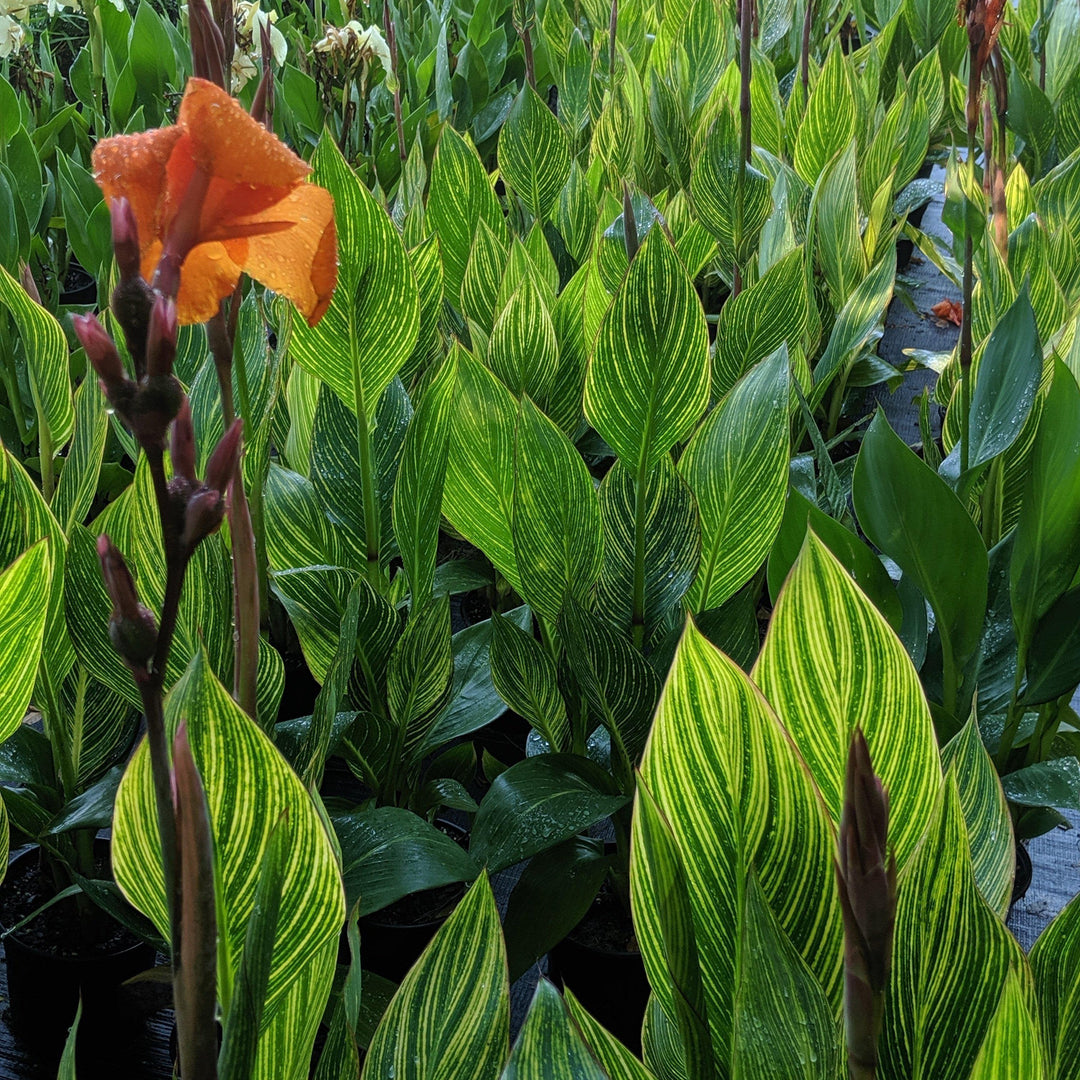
(195, 206)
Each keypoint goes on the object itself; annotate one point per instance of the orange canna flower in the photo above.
(217, 195)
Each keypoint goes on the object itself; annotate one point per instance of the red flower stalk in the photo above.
(866, 877)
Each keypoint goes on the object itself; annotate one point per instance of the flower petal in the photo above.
(208, 275)
(136, 167)
(299, 262)
(232, 146)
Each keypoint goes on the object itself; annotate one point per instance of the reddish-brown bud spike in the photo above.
(207, 44)
(262, 106)
(101, 352)
(203, 517)
(223, 461)
(28, 283)
(132, 627)
(161, 337)
(125, 238)
(182, 448)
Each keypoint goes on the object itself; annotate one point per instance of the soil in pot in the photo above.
(393, 939)
(50, 963)
(600, 962)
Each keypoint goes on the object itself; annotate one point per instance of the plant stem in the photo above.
(640, 515)
(391, 42)
(227, 349)
(1015, 712)
(969, 274)
(808, 18)
(151, 690)
(746, 27)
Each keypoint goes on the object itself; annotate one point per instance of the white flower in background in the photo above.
(17, 9)
(243, 68)
(55, 5)
(357, 44)
(12, 36)
(250, 20)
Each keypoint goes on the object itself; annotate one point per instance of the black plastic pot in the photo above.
(609, 982)
(80, 289)
(1022, 880)
(44, 987)
(393, 938)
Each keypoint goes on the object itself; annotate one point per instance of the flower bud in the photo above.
(203, 517)
(222, 464)
(182, 448)
(131, 302)
(207, 44)
(161, 337)
(153, 408)
(102, 355)
(125, 238)
(132, 627)
(866, 878)
(28, 283)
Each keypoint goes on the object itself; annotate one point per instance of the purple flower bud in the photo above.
(207, 44)
(203, 517)
(102, 353)
(132, 627)
(182, 448)
(28, 283)
(125, 238)
(222, 464)
(161, 337)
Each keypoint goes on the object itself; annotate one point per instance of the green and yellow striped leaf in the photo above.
(522, 350)
(558, 543)
(418, 488)
(648, 380)
(951, 957)
(549, 1046)
(831, 663)
(478, 493)
(22, 627)
(1055, 960)
(314, 598)
(373, 321)
(619, 683)
(534, 156)
(46, 352)
(784, 1023)
(337, 468)
(421, 673)
(525, 678)
(460, 196)
(450, 1018)
(839, 242)
(1012, 1049)
(616, 1061)
(730, 783)
(25, 518)
(82, 464)
(248, 787)
(754, 324)
(714, 186)
(426, 262)
(298, 532)
(857, 320)
(672, 545)
(829, 122)
(483, 274)
(986, 815)
(658, 860)
(737, 466)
